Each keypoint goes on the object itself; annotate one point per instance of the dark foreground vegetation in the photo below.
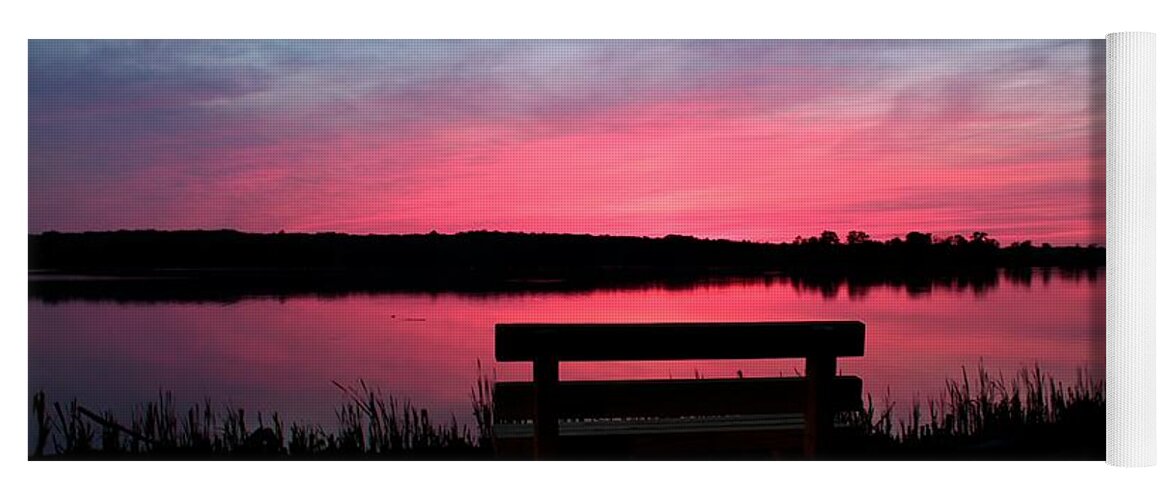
(370, 426)
(229, 265)
(1029, 416)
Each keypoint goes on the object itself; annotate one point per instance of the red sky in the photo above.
(761, 140)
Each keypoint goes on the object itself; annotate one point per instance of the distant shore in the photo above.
(228, 265)
(517, 254)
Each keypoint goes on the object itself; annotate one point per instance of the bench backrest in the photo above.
(679, 341)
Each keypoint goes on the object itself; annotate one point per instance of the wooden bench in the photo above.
(537, 417)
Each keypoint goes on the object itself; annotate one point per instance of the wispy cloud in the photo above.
(741, 139)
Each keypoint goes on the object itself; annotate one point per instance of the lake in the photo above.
(266, 353)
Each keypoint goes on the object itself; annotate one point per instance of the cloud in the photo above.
(399, 136)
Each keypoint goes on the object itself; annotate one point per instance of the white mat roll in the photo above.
(1130, 238)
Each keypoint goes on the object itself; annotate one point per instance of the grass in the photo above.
(1028, 416)
(370, 425)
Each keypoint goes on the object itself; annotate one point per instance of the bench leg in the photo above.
(545, 380)
(819, 416)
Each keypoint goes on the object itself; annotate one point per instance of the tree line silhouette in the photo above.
(505, 253)
(231, 265)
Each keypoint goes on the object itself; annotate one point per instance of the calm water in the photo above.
(282, 354)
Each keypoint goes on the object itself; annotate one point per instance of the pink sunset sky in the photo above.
(758, 140)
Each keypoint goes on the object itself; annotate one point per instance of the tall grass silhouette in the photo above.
(370, 424)
(1030, 415)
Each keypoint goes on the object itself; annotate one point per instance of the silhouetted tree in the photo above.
(982, 239)
(918, 240)
(956, 240)
(830, 238)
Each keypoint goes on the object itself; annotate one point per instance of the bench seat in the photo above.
(704, 414)
(679, 425)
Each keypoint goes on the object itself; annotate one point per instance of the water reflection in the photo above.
(179, 287)
(112, 348)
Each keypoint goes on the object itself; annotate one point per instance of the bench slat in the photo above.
(513, 401)
(781, 422)
(678, 341)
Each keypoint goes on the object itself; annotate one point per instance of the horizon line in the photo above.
(934, 235)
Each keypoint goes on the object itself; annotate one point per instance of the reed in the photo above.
(1030, 415)
(370, 425)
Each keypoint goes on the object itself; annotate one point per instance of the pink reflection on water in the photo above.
(281, 355)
